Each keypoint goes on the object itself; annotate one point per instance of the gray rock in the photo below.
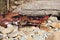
(1, 36)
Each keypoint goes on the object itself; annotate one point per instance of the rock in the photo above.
(15, 23)
(1, 36)
(13, 34)
(10, 39)
(15, 28)
(53, 19)
(37, 37)
(54, 36)
(30, 38)
(36, 6)
(18, 37)
(15, 39)
(1, 29)
(23, 37)
(56, 25)
(47, 29)
(6, 38)
(9, 29)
